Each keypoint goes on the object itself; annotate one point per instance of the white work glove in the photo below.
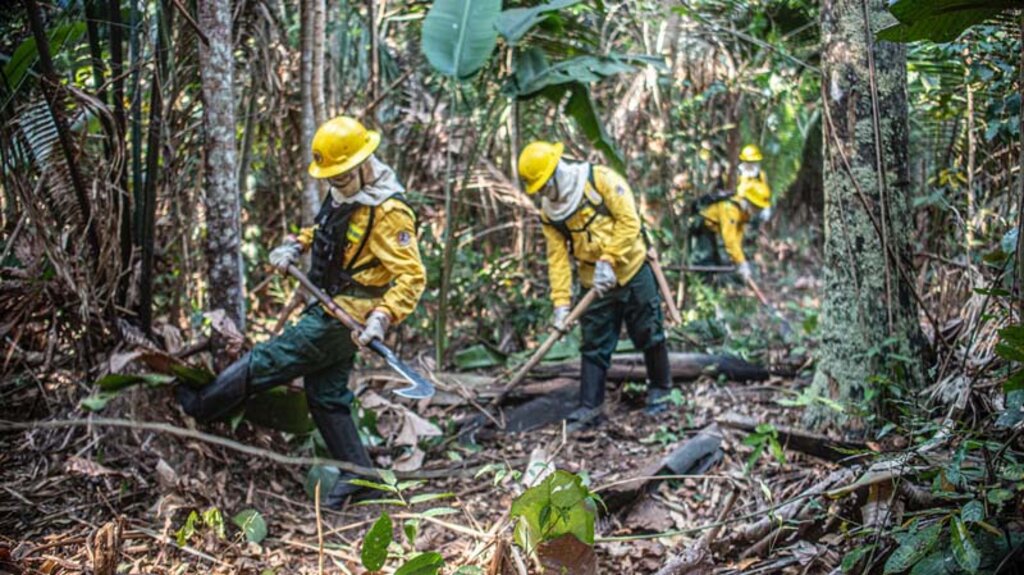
(286, 254)
(604, 277)
(376, 326)
(561, 314)
(745, 271)
(765, 215)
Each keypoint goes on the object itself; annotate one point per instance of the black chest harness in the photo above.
(328, 270)
(597, 209)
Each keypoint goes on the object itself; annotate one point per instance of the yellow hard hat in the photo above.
(755, 191)
(751, 153)
(339, 145)
(537, 163)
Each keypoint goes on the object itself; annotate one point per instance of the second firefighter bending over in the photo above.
(726, 216)
(589, 215)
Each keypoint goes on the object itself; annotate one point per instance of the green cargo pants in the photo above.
(638, 304)
(317, 348)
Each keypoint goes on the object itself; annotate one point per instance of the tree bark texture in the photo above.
(310, 189)
(223, 204)
(869, 323)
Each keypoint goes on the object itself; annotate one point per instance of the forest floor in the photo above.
(63, 490)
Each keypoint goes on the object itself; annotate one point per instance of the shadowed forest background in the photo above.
(867, 420)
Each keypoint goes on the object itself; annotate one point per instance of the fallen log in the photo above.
(694, 456)
(820, 446)
(683, 366)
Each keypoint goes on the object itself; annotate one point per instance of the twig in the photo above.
(186, 548)
(234, 445)
(191, 22)
(319, 530)
(661, 478)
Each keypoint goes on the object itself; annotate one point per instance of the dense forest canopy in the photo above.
(821, 366)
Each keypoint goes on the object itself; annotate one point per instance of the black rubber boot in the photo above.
(339, 432)
(217, 400)
(659, 378)
(590, 411)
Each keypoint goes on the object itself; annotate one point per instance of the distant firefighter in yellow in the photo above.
(725, 216)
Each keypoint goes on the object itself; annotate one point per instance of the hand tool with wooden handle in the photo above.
(666, 291)
(556, 334)
(419, 387)
(785, 328)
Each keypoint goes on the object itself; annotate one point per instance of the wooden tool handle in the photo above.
(331, 305)
(556, 334)
(666, 291)
(758, 293)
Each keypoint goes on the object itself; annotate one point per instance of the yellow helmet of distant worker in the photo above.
(755, 191)
(537, 164)
(340, 145)
(751, 153)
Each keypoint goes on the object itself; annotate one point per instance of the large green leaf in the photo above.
(375, 545)
(913, 548)
(964, 550)
(26, 54)
(282, 409)
(941, 20)
(459, 35)
(252, 525)
(559, 505)
(516, 22)
(535, 76)
(428, 563)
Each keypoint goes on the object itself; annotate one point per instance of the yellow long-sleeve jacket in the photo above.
(605, 226)
(392, 242)
(727, 219)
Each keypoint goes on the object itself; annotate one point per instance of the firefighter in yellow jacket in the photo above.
(727, 216)
(365, 255)
(589, 215)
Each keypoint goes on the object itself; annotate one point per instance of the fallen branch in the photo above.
(233, 445)
(819, 446)
(771, 518)
(700, 552)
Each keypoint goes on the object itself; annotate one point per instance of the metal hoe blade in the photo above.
(419, 389)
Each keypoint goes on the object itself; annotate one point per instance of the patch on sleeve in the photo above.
(404, 238)
(620, 190)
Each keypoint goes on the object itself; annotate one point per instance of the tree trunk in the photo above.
(310, 190)
(869, 323)
(223, 205)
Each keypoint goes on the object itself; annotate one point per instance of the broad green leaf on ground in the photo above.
(469, 570)
(375, 545)
(852, 559)
(964, 550)
(252, 525)
(914, 547)
(938, 563)
(478, 357)
(459, 35)
(940, 20)
(558, 505)
(428, 563)
(327, 476)
(119, 381)
(98, 401)
(514, 23)
(972, 512)
(282, 409)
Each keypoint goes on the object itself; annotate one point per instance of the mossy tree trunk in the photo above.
(223, 204)
(869, 325)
